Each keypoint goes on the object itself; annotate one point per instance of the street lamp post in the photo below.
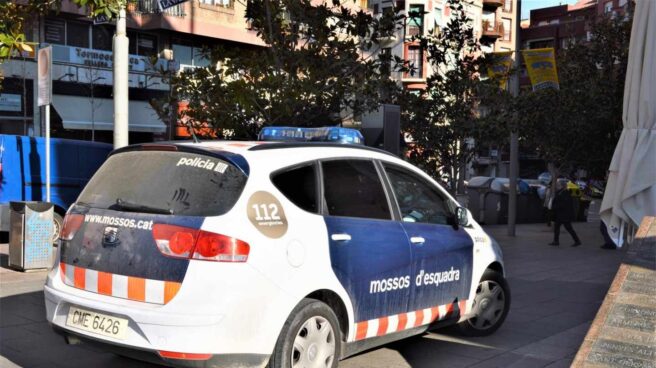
(121, 99)
(514, 144)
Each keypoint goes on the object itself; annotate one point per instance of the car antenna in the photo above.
(191, 130)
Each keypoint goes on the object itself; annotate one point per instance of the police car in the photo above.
(251, 254)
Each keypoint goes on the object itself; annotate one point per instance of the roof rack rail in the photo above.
(281, 145)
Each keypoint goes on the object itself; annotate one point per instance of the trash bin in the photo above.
(477, 189)
(30, 235)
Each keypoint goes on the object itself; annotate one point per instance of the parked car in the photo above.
(23, 172)
(254, 253)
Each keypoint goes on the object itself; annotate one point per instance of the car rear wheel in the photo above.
(310, 338)
(490, 307)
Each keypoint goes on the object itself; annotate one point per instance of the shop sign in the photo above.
(10, 102)
(102, 59)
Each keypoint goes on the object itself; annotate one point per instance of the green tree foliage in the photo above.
(578, 126)
(449, 118)
(318, 64)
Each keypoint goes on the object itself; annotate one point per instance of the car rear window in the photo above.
(299, 185)
(178, 183)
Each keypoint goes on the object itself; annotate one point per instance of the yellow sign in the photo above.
(541, 67)
(499, 70)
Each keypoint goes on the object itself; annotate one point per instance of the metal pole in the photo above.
(47, 107)
(93, 112)
(121, 99)
(514, 144)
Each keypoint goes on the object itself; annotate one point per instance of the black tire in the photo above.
(59, 224)
(307, 312)
(492, 294)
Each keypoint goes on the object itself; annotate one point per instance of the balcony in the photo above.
(141, 7)
(492, 3)
(492, 30)
(414, 30)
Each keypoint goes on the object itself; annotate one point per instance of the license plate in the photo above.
(97, 323)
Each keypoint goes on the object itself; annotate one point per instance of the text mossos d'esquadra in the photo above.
(423, 278)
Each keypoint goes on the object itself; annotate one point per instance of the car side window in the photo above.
(299, 185)
(352, 188)
(418, 200)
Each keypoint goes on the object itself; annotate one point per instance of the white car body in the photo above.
(234, 312)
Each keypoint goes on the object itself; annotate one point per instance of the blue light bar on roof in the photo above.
(325, 134)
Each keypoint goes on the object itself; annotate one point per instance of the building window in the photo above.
(77, 34)
(608, 7)
(416, 20)
(437, 16)
(541, 44)
(416, 59)
(62, 32)
(507, 5)
(142, 44)
(55, 31)
(189, 56)
(101, 37)
(507, 29)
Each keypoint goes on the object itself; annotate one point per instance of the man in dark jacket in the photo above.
(563, 212)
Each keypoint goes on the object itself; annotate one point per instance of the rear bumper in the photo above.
(152, 356)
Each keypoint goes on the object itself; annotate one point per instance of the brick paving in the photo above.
(624, 332)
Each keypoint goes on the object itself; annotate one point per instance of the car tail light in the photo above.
(72, 223)
(174, 241)
(217, 247)
(183, 242)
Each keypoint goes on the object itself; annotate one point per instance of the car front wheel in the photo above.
(310, 338)
(490, 307)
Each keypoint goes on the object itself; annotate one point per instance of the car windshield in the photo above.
(178, 183)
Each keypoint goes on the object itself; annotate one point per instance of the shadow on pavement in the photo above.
(27, 340)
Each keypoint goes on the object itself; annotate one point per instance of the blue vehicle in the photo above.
(23, 172)
(324, 134)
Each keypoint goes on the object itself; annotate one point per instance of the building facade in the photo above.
(493, 22)
(82, 105)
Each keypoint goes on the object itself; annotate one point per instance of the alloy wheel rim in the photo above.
(489, 305)
(314, 344)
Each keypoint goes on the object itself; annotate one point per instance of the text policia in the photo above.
(422, 278)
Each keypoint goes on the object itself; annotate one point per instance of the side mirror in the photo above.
(462, 216)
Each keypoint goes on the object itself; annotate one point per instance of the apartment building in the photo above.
(493, 22)
(82, 66)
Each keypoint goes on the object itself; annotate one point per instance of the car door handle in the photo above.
(340, 237)
(417, 240)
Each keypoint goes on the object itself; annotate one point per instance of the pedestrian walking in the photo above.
(563, 213)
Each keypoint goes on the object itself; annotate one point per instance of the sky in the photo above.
(527, 5)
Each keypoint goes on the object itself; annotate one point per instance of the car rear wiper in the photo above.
(122, 205)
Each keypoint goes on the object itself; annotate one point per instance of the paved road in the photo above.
(556, 293)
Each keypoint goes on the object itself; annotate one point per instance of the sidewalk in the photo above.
(556, 293)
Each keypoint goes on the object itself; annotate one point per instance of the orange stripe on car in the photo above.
(104, 283)
(119, 286)
(361, 330)
(137, 288)
(170, 290)
(408, 320)
(78, 277)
